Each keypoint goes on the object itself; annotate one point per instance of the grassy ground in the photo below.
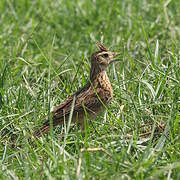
(45, 48)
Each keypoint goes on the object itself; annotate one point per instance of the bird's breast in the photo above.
(103, 87)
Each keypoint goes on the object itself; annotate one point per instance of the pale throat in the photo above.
(96, 70)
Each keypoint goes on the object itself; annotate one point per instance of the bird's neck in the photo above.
(100, 79)
(95, 71)
(102, 84)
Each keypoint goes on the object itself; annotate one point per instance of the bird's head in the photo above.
(101, 59)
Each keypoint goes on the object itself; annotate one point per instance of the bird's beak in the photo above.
(115, 57)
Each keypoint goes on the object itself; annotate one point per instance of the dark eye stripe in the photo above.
(105, 55)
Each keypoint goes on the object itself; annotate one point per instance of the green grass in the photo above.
(45, 48)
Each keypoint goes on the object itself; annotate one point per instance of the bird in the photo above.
(91, 99)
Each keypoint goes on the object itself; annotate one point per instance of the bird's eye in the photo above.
(105, 55)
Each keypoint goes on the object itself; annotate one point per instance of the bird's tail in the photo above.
(43, 130)
(46, 126)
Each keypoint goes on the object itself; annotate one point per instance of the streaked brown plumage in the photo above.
(91, 98)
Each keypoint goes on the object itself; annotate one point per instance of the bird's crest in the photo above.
(101, 47)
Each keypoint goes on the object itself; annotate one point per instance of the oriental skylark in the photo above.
(90, 99)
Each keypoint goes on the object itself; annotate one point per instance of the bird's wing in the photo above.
(85, 100)
(65, 107)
